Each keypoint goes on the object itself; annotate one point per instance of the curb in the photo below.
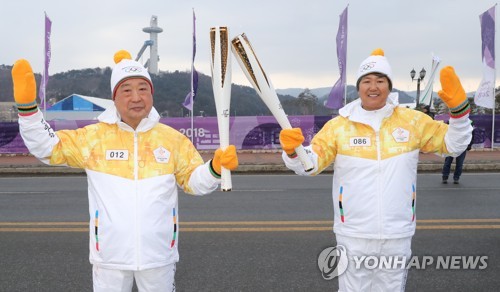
(242, 169)
(471, 167)
(40, 171)
(422, 167)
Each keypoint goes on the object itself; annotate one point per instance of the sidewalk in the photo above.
(255, 161)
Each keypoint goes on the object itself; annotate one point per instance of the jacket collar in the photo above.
(353, 110)
(111, 116)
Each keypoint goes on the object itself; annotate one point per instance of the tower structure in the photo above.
(153, 31)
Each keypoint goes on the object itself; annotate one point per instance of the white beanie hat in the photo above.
(126, 68)
(375, 63)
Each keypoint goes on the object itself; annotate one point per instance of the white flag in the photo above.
(426, 96)
(484, 94)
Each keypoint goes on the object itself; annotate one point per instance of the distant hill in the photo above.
(320, 91)
(172, 87)
(323, 92)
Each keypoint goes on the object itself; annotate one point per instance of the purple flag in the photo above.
(336, 97)
(189, 100)
(47, 55)
(484, 95)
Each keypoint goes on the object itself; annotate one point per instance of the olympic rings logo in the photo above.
(367, 66)
(132, 69)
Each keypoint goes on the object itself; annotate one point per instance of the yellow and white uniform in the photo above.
(132, 183)
(375, 156)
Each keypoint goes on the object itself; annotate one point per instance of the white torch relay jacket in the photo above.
(132, 183)
(375, 170)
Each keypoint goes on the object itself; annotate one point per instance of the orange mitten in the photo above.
(227, 159)
(291, 139)
(452, 93)
(24, 84)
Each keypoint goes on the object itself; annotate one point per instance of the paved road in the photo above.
(265, 235)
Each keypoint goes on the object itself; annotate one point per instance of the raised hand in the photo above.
(452, 93)
(24, 87)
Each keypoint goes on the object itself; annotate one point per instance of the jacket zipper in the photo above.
(136, 178)
(379, 175)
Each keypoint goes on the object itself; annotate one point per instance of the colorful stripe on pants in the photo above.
(414, 196)
(340, 205)
(96, 224)
(175, 229)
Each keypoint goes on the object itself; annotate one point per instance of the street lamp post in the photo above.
(420, 78)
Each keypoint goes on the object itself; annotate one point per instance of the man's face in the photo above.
(133, 100)
(373, 91)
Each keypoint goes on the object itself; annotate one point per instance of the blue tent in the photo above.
(76, 102)
(78, 107)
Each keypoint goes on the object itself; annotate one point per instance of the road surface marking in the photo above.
(251, 226)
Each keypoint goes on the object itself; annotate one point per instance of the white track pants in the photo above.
(363, 279)
(152, 280)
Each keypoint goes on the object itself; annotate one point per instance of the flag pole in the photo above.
(192, 80)
(345, 87)
(345, 95)
(44, 106)
(192, 107)
(346, 52)
(192, 93)
(44, 109)
(494, 85)
(493, 120)
(46, 62)
(189, 100)
(482, 97)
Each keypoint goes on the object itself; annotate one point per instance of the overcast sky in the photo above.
(293, 39)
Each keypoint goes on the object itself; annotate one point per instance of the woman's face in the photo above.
(373, 91)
